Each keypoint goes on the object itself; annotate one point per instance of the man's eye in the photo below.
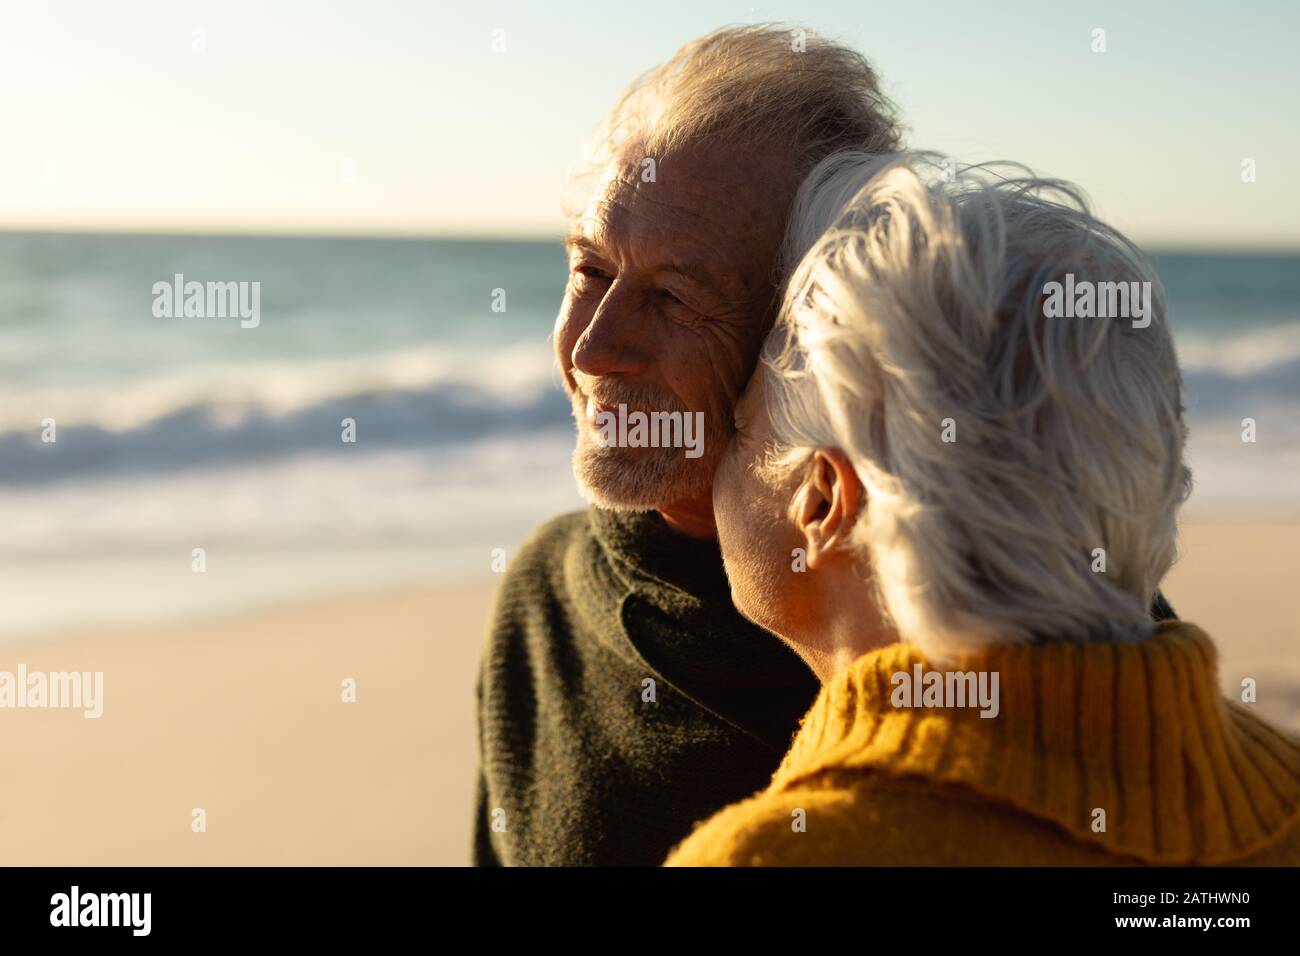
(680, 309)
(587, 277)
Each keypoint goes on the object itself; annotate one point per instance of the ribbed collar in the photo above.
(1138, 730)
(675, 611)
(651, 554)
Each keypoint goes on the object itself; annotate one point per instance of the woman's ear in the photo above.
(826, 504)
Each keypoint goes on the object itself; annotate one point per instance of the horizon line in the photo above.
(414, 235)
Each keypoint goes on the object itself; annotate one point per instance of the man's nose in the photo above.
(614, 341)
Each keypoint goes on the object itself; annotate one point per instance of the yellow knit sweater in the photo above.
(1136, 731)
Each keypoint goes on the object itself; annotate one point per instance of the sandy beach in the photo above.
(244, 718)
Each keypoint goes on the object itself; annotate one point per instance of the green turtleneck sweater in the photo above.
(621, 696)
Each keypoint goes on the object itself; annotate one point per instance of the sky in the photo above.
(396, 117)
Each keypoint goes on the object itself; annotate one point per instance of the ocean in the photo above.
(174, 434)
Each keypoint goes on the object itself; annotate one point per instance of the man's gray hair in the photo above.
(766, 86)
(1022, 469)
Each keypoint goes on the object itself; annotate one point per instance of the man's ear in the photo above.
(826, 504)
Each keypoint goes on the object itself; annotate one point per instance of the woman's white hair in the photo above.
(999, 448)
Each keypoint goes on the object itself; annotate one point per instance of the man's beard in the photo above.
(640, 479)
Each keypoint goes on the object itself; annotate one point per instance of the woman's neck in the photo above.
(847, 623)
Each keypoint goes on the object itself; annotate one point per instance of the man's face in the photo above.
(671, 287)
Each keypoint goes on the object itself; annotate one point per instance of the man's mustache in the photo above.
(637, 396)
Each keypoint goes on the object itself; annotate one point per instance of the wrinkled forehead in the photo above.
(720, 208)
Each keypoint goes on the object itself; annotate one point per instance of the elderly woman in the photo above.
(953, 492)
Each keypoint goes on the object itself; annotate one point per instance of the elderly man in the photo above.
(621, 697)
